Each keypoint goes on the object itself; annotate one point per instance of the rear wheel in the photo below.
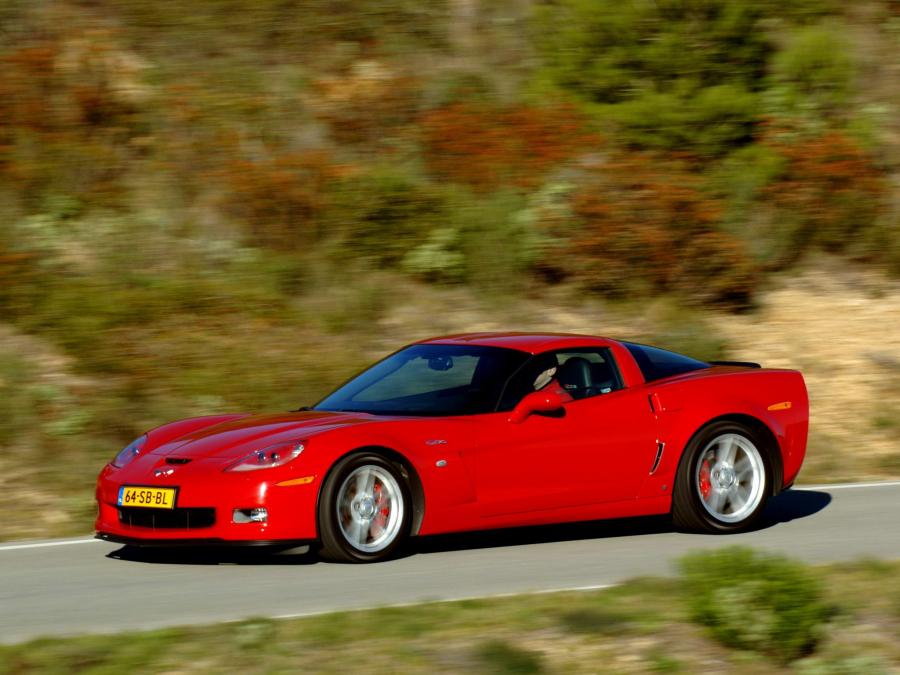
(724, 480)
(364, 510)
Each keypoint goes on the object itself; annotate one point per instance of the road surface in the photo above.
(74, 586)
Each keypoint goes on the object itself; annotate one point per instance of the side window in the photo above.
(583, 372)
(535, 374)
(656, 363)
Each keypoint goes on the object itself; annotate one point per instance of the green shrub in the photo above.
(816, 69)
(597, 621)
(499, 656)
(755, 601)
(739, 181)
(384, 213)
(708, 121)
(672, 74)
(607, 51)
(18, 400)
(499, 242)
(295, 28)
(438, 258)
(844, 665)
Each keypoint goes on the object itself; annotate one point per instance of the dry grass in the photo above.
(841, 327)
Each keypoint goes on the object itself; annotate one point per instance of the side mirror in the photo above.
(536, 401)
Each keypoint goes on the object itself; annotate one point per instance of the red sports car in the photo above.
(471, 432)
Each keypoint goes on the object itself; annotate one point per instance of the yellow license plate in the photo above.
(147, 497)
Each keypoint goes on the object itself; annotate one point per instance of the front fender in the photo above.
(442, 455)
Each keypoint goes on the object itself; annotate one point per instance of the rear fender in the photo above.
(683, 409)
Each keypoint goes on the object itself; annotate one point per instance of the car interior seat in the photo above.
(603, 377)
(575, 377)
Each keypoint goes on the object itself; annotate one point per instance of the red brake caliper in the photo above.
(382, 509)
(705, 485)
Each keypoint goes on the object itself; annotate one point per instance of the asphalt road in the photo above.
(77, 586)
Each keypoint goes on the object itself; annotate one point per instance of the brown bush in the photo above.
(367, 104)
(484, 146)
(279, 199)
(829, 194)
(642, 225)
(65, 118)
(17, 278)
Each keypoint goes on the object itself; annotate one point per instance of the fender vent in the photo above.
(177, 460)
(659, 451)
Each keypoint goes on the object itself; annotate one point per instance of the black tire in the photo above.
(337, 521)
(693, 512)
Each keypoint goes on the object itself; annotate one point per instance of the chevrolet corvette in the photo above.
(471, 432)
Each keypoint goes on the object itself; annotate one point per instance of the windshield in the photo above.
(429, 380)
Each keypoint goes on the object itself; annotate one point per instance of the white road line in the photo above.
(847, 486)
(834, 486)
(418, 603)
(44, 544)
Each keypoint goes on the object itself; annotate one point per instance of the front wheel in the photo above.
(364, 510)
(724, 480)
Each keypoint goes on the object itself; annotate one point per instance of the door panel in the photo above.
(600, 451)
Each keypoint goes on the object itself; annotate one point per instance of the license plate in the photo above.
(147, 497)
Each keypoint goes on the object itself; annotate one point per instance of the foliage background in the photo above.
(235, 204)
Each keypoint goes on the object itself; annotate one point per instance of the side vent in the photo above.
(177, 460)
(659, 451)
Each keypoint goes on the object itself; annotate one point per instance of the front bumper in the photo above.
(291, 509)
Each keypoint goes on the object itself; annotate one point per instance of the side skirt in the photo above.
(466, 517)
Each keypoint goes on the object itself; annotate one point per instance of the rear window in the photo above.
(656, 363)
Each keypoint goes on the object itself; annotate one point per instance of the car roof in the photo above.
(526, 342)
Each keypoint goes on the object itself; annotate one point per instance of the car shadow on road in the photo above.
(789, 505)
(215, 555)
(794, 504)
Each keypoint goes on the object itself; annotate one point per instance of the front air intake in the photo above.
(167, 519)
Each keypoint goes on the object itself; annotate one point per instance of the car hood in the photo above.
(237, 437)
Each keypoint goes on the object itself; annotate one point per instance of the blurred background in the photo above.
(236, 204)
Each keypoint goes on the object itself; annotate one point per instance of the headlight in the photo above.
(274, 455)
(131, 451)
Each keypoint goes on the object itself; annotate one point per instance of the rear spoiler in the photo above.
(741, 364)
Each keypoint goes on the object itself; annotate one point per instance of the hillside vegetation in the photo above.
(233, 205)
